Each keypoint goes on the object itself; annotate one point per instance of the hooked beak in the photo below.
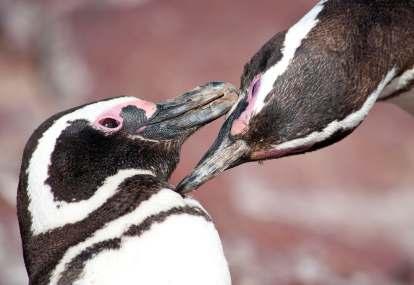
(182, 116)
(226, 152)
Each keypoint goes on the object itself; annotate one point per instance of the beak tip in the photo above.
(185, 186)
(214, 163)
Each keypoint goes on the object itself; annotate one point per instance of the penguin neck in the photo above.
(129, 227)
(332, 66)
(43, 251)
(376, 48)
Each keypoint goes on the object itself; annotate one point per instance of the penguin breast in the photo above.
(167, 240)
(169, 253)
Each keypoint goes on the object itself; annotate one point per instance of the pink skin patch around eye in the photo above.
(240, 124)
(115, 113)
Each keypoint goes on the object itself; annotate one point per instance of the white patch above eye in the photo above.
(293, 39)
(350, 122)
(46, 213)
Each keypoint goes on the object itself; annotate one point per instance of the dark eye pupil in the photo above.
(109, 123)
(255, 87)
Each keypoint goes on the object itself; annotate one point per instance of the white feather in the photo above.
(398, 83)
(45, 212)
(350, 122)
(293, 39)
(405, 100)
(181, 250)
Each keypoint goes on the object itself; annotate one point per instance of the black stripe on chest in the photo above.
(74, 269)
(47, 249)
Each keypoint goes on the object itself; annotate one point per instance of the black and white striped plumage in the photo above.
(94, 204)
(312, 85)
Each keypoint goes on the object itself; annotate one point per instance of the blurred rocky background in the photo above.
(343, 215)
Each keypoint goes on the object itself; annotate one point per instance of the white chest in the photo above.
(181, 250)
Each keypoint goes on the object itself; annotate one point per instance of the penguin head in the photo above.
(281, 104)
(295, 97)
(76, 161)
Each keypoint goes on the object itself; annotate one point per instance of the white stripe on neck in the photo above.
(46, 213)
(164, 200)
(398, 84)
(49, 214)
(293, 39)
(350, 122)
(404, 100)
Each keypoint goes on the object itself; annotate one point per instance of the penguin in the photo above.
(94, 204)
(312, 85)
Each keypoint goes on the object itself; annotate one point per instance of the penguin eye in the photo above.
(255, 87)
(109, 123)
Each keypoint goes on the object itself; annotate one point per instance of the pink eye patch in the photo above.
(111, 120)
(240, 124)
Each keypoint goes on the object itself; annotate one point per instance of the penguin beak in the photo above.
(180, 117)
(226, 152)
